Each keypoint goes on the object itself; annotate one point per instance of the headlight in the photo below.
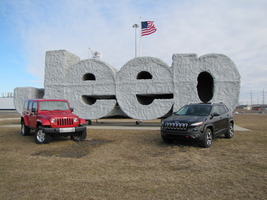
(197, 124)
(75, 120)
(53, 120)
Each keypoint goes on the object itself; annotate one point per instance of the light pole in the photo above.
(135, 26)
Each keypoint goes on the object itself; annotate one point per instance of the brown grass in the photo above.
(131, 164)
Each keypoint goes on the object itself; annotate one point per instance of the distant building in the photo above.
(6, 103)
(245, 107)
(259, 107)
(255, 107)
(7, 94)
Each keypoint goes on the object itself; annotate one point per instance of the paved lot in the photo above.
(123, 127)
(116, 124)
(9, 112)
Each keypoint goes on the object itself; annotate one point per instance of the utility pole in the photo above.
(251, 97)
(263, 97)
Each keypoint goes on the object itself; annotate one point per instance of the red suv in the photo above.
(51, 117)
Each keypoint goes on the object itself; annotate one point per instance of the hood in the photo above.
(186, 118)
(57, 114)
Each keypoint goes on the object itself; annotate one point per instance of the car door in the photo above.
(33, 114)
(217, 120)
(224, 118)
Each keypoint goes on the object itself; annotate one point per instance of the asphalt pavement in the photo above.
(122, 124)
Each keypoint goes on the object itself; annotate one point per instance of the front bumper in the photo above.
(181, 135)
(64, 131)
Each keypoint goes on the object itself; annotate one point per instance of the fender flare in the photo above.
(209, 126)
(25, 119)
(43, 122)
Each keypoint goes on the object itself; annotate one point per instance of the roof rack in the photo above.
(198, 103)
(220, 102)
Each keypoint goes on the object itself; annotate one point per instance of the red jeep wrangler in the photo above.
(51, 117)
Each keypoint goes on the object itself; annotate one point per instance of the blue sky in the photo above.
(235, 28)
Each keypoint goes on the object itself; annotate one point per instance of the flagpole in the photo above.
(140, 40)
(135, 26)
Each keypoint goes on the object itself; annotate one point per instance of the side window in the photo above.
(222, 110)
(34, 105)
(30, 106)
(216, 109)
(226, 109)
(25, 106)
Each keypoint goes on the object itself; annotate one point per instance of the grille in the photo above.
(64, 121)
(175, 126)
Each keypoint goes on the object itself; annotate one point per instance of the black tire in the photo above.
(41, 137)
(25, 130)
(80, 137)
(207, 140)
(167, 141)
(230, 132)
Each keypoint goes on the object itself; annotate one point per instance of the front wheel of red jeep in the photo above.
(41, 137)
(80, 137)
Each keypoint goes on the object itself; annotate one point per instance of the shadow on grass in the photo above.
(75, 150)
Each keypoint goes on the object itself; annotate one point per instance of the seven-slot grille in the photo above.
(175, 126)
(64, 121)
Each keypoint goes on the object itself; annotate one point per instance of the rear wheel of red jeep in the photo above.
(25, 130)
(41, 137)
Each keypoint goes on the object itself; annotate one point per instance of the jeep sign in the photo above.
(144, 88)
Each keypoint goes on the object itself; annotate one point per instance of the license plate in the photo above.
(66, 130)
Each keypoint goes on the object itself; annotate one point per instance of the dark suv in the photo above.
(199, 122)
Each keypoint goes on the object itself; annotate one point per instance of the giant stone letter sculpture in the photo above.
(22, 93)
(145, 88)
(57, 64)
(90, 88)
(209, 78)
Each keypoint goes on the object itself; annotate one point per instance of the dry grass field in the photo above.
(135, 164)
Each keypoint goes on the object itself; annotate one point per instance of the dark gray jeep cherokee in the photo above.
(200, 122)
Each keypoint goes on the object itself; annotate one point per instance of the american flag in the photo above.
(148, 28)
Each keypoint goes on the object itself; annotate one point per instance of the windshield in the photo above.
(54, 105)
(195, 110)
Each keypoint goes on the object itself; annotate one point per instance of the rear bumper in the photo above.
(64, 131)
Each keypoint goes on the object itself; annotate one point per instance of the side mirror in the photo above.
(71, 109)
